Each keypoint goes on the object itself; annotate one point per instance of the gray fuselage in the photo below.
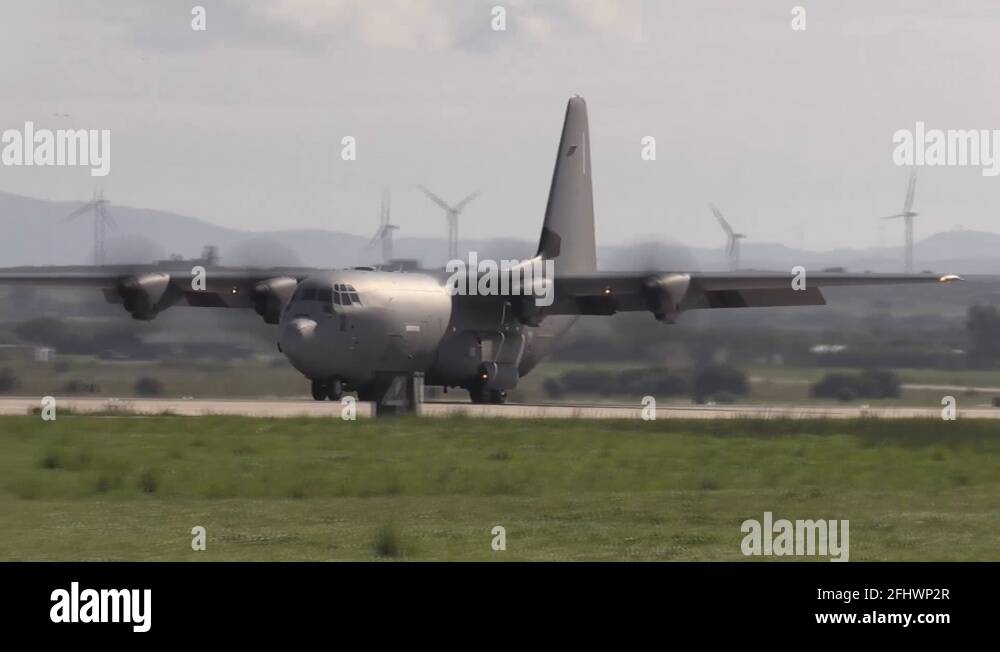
(350, 324)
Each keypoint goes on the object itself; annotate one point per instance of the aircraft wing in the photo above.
(666, 294)
(146, 291)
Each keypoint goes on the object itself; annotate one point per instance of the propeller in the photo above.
(437, 200)
(103, 220)
(384, 231)
(451, 214)
(732, 237)
(907, 215)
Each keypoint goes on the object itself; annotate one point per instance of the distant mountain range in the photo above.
(35, 233)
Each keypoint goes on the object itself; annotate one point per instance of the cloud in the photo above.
(402, 24)
(309, 15)
(451, 24)
(620, 17)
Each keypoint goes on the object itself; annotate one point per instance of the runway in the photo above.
(288, 408)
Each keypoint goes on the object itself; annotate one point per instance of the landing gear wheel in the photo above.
(334, 389)
(479, 394)
(319, 390)
(498, 397)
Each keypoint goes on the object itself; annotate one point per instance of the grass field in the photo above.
(238, 378)
(957, 377)
(789, 385)
(781, 385)
(133, 488)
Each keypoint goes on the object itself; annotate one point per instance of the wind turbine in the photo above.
(908, 216)
(452, 213)
(98, 205)
(732, 239)
(385, 228)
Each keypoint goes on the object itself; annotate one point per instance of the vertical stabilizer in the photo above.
(568, 231)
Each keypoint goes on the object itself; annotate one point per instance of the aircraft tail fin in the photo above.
(568, 231)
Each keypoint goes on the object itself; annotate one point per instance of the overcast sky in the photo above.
(790, 133)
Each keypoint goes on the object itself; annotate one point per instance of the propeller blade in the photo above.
(462, 204)
(892, 217)
(80, 211)
(910, 190)
(437, 200)
(722, 221)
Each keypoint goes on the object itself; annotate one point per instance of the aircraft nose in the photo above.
(296, 335)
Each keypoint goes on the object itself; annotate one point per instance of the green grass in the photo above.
(785, 385)
(257, 378)
(958, 377)
(133, 488)
(240, 378)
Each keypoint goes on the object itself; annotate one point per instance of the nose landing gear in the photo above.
(331, 388)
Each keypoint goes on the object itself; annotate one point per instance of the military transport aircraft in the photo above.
(340, 328)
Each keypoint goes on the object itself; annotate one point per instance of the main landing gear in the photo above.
(491, 396)
(331, 388)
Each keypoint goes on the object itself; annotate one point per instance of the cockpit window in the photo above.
(341, 294)
(345, 295)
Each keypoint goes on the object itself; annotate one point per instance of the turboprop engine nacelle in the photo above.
(146, 295)
(270, 296)
(664, 294)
